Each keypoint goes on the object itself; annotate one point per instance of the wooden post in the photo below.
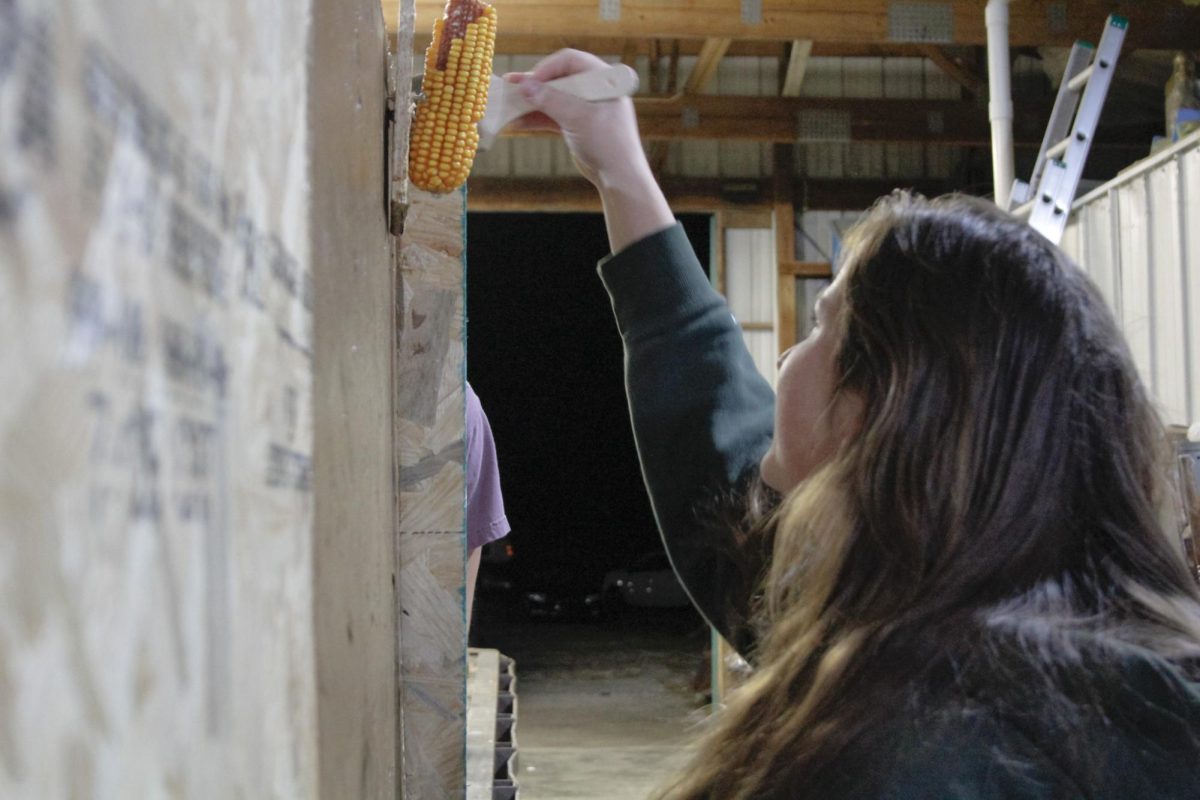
(354, 579)
(430, 547)
(785, 240)
(719, 224)
(427, 429)
(786, 299)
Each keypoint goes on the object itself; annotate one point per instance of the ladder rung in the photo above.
(1080, 80)
(1058, 149)
(1061, 166)
(1024, 210)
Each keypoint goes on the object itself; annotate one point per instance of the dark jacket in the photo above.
(702, 414)
(1119, 723)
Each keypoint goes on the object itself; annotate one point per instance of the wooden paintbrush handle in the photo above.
(506, 103)
(605, 83)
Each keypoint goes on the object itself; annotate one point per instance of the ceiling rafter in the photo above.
(673, 67)
(691, 194)
(703, 71)
(1031, 22)
(830, 119)
(706, 65)
(797, 64)
(632, 47)
(960, 74)
(776, 119)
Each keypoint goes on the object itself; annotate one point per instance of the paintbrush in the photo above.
(506, 103)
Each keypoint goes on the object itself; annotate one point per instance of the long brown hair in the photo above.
(1005, 487)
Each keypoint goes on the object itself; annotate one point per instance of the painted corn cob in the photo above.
(458, 65)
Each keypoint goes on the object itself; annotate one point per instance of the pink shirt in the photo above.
(486, 521)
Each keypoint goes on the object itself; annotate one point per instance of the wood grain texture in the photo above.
(354, 572)
(156, 425)
(430, 547)
(400, 73)
(693, 194)
(783, 192)
(1031, 22)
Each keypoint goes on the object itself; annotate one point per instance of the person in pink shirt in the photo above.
(486, 521)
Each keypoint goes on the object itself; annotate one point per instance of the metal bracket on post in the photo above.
(752, 12)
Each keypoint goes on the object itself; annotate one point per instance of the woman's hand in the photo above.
(603, 140)
(602, 137)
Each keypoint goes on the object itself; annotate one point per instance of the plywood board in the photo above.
(156, 485)
(429, 427)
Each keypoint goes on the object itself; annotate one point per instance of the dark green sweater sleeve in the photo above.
(702, 414)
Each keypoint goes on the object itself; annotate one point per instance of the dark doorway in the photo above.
(545, 358)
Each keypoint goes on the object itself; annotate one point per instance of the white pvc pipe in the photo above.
(1000, 108)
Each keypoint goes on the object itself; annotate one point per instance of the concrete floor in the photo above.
(604, 710)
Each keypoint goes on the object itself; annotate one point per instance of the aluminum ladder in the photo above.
(1069, 134)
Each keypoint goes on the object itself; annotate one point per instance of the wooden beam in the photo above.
(720, 224)
(774, 119)
(785, 297)
(576, 194)
(806, 269)
(539, 45)
(673, 68)
(629, 53)
(782, 194)
(844, 119)
(1031, 22)
(746, 218)
(691, 195)
(784, 212)
(706, 65)
(797, 65)
(957, 72)
(654, 67)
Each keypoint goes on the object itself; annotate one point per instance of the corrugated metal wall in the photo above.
(876, 77)
(736, 75)
(1138, 236)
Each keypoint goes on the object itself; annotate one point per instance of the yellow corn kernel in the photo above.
(458, 65)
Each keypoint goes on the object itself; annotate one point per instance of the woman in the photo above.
(964, 589)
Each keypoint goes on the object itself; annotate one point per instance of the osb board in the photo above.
(354, 567)
(155, 422)
(430, 550)
(400, 76)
